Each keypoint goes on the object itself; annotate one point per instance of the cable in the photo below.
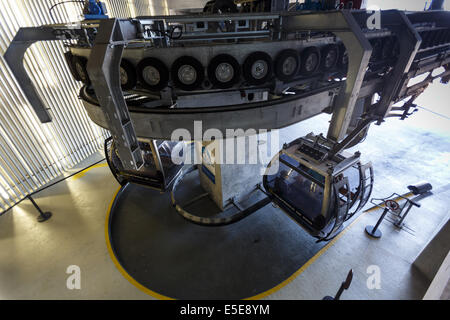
(169, 35)
(62, 2)
(50, 185)
(436, 113)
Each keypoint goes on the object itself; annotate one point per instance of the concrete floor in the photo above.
(34, 257)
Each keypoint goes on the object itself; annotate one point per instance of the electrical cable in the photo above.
(59, 3)
(169, 35)
(436, 113)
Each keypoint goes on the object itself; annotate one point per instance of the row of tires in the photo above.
(384, 48)
(433, 38)
(223, 71)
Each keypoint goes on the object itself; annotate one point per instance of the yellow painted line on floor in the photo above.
(307, 264)
(256, 297)
(117, 263)
(318, 254)
(82, 173)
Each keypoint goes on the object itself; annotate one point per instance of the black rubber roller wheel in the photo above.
(187, 73)
(330, 56)
(426, 35)
(152, 74)
(310, 61)
(343, 57)
(224, 71)
(258, 68)
(442, 35)
(69, 59)
(224, 6)
(79, 64)
(128, 76)
(287, 64)
(377, 48)
(388, 48)
(447, 38)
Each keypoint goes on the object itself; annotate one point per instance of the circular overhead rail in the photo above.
(223, 218)
(113, 161)
(160, 123)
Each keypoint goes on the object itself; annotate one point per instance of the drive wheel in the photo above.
(70, 62)
(330, 55)
(224, 71)
(79, 64)
(287, 64)
(128, 76)
(257, 68)
(153, 74)
(377, 48)
(310, 61)
(187, 73)
(388, 47)
(224, 6)
(343, 57)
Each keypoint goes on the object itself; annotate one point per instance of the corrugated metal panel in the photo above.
(32, 153)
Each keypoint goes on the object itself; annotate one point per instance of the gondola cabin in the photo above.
(319, 192)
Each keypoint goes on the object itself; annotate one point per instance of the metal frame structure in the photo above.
(390, 205)
(239, 213)
(161, 180)
(145, 115)
(115, 34)
(103, 70)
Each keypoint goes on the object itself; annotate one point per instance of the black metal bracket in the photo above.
(14, 57)
(338, 147)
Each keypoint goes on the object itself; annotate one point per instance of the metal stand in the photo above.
(391, 204)
(43, 216)
(344, 286)
(373, 231)
(399, 223)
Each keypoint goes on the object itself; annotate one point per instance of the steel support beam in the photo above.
(14, 56)
(344, 26)
(409, 42)
(104, 72)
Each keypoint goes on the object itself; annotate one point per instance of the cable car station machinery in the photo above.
(147, 76)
